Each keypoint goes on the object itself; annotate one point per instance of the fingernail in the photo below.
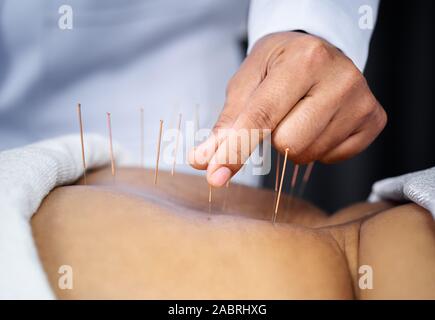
(220, 176)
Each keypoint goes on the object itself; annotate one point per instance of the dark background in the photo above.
(400, 72)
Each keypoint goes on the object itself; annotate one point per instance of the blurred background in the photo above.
(400, 72)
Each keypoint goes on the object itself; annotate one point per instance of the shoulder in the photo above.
(399, 246)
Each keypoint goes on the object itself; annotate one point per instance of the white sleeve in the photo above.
(347, 24)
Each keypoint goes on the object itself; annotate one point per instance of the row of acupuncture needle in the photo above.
(279, 181)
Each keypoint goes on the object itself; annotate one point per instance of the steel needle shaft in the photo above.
(79, 113)
(306, 178)
(112, 159)
(280, 185)
(142, 138)
(176, 145)
(278, 160)
(156, 172)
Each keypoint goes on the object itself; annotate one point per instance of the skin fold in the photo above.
(128, 238)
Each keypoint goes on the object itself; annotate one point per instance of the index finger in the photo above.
(269, 104)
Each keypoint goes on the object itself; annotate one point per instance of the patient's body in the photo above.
(131, 239)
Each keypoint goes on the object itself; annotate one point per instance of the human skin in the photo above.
(131, 239)
(313, 99)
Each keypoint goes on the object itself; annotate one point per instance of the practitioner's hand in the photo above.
(312, 97)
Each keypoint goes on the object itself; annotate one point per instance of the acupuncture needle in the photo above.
(176, 145)
(293, 183)
(79, 113)
(159, 141)
(112, 158)
(306, 177)
(278, 160)
(142, 138)
(280, 185)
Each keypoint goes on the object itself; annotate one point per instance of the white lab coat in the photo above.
(165, 56)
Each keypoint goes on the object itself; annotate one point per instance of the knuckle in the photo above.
(353, 78)
(315, 51)
(381, 118)
(365, 110)
(367, 107)
(261, 117)
(224, 119)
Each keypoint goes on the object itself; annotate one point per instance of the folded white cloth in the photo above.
(27, 175)
(418, 187)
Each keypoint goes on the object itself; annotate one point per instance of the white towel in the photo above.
(418, 187)
(27, 175)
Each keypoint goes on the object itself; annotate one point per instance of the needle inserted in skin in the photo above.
(278, 160)
(142, 138)
(158, 152)
(227, 186)
(293, 183)
(176, 144)
(294, 179)
(280, 185)
(306, 177)
(79, 113)
(209, 193)
(112, 158)
(224, 206)
(209, 198)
